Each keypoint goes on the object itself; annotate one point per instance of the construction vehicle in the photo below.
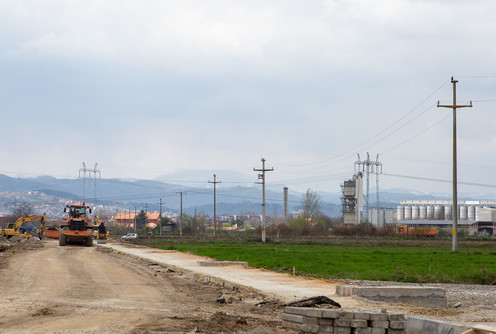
(52, 232)
(76, 228)
(100, 237)
(416, 231)
(13, 229)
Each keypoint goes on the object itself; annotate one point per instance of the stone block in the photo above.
(342, 330)
(358, 323)
(366, 330)
(378, 331)
(325, 321)
(361, 315)
(306, 311)
(342, 322)
(331, 314)
(345, 314)
(301, 327)
(292, 317)
(396, 331)
(378, 316)
(396, 317)
(326, 329)
(397, 324)
(379, 324)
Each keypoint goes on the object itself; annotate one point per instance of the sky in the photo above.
(151, 88)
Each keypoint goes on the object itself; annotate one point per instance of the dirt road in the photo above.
(75, 289)
(46, 288)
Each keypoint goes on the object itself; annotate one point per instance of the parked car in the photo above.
(129, 236)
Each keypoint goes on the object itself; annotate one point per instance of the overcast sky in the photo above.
(146, 88)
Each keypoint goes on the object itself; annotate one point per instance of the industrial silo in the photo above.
(447, 212)
(471, 212)
(430, 212)
(438, 212)
(415, 212)
(422, 212)
(408, 212)
(463, 212)
(400, 213)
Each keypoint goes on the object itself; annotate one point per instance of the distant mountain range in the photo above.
(233, 197)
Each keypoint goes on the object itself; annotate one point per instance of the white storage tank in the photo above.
(430, 212)
(447, 212)
(463, 212)
(471, 212)
(415, 212)
(400, 213)
(439, 212)
(408, 212)
(422, 212)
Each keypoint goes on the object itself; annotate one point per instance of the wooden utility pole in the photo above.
(262, 177)
(454, 209)
(215, 204)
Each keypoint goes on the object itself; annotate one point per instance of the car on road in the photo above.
(129, 236)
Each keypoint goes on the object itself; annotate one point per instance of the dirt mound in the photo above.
(9, 247)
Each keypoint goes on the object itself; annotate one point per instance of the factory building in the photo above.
(478, 215)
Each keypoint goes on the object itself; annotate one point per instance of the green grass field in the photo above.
(412, 264)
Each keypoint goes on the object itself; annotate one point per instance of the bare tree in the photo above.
(311, 204)
(22, 209)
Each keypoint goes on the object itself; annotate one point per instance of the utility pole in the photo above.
(262, 177)
(84, 170)
(160, 217)
(181, 216)
(215, 204)
(134, 219)
(454, 209)
(285, 202)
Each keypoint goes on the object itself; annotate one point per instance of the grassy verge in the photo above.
(364, 262)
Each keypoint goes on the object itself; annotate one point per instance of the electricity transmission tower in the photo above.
(262, 177)
(454, 209)
(368, 167)
(89, 171)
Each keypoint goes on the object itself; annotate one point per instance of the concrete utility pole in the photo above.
(285, 202)
(181, 216)
(262, 177)
(454, 209)
(160, 217)
(215, 204)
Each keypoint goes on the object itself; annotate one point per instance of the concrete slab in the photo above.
(421, 296)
